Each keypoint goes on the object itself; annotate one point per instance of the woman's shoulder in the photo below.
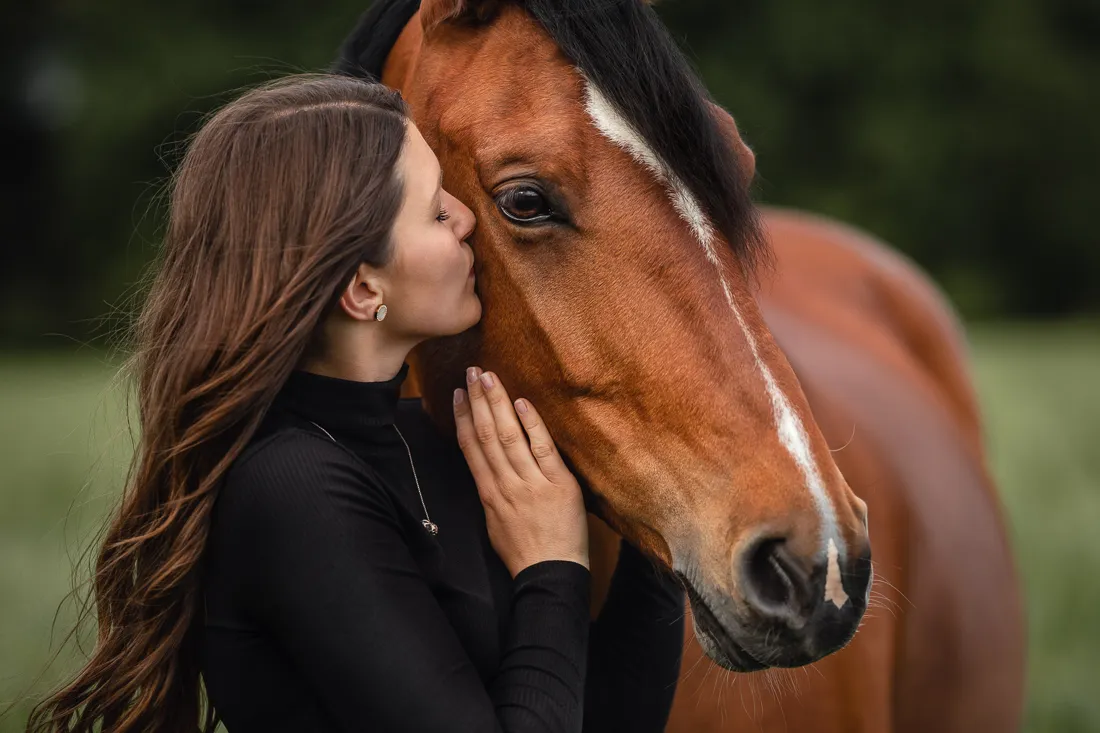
(288, 446)
(291, 468)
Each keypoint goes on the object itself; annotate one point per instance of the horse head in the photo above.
(616, 247)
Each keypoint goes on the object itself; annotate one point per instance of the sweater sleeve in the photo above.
(333, 580)
(635, 649)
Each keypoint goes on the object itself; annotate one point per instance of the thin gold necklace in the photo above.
(432, 527)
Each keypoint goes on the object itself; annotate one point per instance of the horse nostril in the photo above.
(776, 583)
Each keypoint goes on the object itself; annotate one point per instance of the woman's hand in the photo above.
(533, 504)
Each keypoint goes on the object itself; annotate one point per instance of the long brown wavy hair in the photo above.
(278, 199)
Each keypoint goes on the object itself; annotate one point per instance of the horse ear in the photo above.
(436, 12)
(745, 157)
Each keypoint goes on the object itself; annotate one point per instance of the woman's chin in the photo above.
(475, 311)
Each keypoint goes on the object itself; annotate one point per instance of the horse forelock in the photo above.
(625, 52)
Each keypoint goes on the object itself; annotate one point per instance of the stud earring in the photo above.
(380, 313)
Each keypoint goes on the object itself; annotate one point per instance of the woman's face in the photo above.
(430, 278)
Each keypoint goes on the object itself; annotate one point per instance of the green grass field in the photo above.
(64, 446)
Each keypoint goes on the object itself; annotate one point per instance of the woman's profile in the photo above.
(297, 548)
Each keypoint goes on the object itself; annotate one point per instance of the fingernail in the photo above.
(459, 396)
(521, 406)
(487, 380)
(471, 375)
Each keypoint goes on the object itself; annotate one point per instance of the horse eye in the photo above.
(525, 205)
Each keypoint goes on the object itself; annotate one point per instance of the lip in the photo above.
(730, 654)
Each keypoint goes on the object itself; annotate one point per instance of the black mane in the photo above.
(364, 51)
(626, 51)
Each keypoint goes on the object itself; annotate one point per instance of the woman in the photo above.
(296, 533)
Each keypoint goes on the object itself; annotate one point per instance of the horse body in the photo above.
(881, 387)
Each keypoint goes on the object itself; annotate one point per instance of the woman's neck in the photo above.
(377, 362)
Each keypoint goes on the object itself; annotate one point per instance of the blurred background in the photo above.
(963, 133)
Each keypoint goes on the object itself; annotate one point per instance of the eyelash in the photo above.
(443, 215)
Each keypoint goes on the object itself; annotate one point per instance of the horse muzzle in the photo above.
(786, 612)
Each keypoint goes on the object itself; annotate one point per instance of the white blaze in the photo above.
(834, 586)
(619, 131)
(792, 434)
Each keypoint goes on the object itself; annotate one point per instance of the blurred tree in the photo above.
(962, 133)
(27, 184)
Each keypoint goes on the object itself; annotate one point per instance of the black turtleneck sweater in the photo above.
(329, 607)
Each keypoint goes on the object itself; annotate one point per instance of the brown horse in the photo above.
(616, 252)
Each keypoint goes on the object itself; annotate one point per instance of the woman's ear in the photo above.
(364, 293)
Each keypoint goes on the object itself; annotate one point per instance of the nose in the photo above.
(815, 601)
(462, 216)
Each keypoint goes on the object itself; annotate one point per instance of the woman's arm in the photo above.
(635, 648)
(334, 581)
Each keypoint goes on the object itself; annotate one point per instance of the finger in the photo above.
(510, 433)
(542, 445)
(485, 428)
(467, 441)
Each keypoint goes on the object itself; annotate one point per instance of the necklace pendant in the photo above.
(432, 527)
